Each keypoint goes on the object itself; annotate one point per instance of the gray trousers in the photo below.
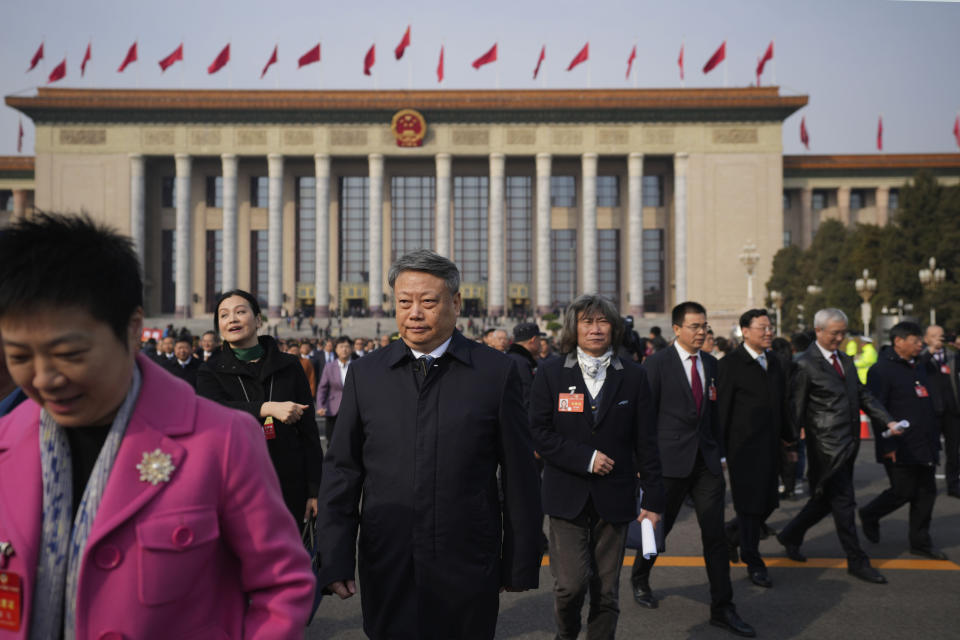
(586, 554)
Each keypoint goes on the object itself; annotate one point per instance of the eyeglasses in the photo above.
(697, 328)
(766, 328)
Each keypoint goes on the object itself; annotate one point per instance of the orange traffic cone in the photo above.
(864, 426)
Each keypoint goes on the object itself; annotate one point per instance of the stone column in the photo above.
(19, 203)
(321, 278)
(375, 161)
(843, 205)
(883, 206)
(543, 233)
(806, 217)
(138, 206)
(496, 296)
(274, 234)
(230, 234)
(183, 279)
(635, 233)
(444, 188)
(680, 161)
(588, 242)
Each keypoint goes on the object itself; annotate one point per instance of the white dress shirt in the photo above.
(685, 360)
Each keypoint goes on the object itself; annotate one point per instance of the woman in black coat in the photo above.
(251, 374)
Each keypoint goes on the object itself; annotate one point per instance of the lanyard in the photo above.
(244, 389)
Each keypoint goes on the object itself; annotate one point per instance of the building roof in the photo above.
(16, 167)
(52, 105)
(880, 164)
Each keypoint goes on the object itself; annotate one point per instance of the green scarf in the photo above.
(249, 355)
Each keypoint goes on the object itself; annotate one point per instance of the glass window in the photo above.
(354, 229)
(168, 192)
(6, 200)
(214, 267)
(608, 191)
(819, 200)
(653, 298)
(519, 234)
(470, 194)
(893, 201)
(412, 213)
(306, 228)
(563, 258)
(259, 191)
(787, 238)
(608, 264)
(652, 188)
(857, 199)
(258, 266)
(786, 201)
(215, 191)
(563, 191)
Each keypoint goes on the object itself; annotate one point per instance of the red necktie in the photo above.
(695, 384)
(836, 365)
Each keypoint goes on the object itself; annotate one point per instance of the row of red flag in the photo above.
(313, 55)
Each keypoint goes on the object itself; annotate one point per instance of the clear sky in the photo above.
(855, 59)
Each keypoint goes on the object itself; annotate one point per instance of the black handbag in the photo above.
(311, 542)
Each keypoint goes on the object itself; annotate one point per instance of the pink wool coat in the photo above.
(211, 553)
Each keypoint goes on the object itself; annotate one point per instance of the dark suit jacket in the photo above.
(624, 430)
(828, 407)
(681, 431)
(752, 410)
(330, 389)
(422, 458)
(187, 373)
(944, 387)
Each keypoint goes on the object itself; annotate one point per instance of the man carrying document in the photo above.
(591, 419)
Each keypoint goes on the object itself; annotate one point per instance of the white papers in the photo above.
(648, 538)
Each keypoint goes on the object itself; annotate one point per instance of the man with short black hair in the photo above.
(208, 345)
(684, 383)
(826, 399)
(909, 455)
(526, 343)
(183, 364)
(165, 352)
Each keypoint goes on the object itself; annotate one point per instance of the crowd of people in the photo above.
(161, 487)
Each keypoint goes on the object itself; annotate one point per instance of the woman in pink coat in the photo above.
(129, 507)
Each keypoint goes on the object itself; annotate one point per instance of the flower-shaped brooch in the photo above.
(155, 467)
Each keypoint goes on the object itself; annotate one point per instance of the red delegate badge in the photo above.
(570, 403)
(712, 393)
(269, 431)
(921, 390)
(945, 369)
(10, 601)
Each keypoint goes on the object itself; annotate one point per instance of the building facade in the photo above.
(305, 198)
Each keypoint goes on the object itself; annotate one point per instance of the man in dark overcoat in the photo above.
(826, 397)
(424, 425)
(753, 419)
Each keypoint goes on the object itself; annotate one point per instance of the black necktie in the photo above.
(424, 363)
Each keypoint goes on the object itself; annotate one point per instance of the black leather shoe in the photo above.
(761, 578)
(871, 528)
(867, 574)
(729, 620)
(643, 596)
(793, 551)
(933, 554)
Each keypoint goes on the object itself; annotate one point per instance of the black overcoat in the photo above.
(414, 465)
(296, 452)
(752, 411)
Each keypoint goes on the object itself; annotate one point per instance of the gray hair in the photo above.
(426, 261)
(825, 316)
(589, 305)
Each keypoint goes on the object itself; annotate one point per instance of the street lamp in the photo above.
(749, 257)
(929, 279)
(899, 309)
(777, 298)
(866, 287)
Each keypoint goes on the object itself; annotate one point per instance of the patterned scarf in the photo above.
(63, 541)
(594, 369)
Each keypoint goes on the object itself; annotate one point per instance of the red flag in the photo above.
(956, 130)
(404, 43)
(173, 57)
(309, 57)
(220, 61)
(59, 72)
(272, 60)
(580, 57)
(804, 136)
(440, 66)
(369, 59)
(680, 61)
(718, 56)
(880, 134)
(20, 138)
(37, 57)
(131, 57)
(86, 59)
(543, 54)
(633, 56)
(767, 56)
(487, 58)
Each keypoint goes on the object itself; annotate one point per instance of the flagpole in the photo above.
(683, 82)
(725, 64)
(635, 71)
(137, 77)
(773, 71)
(183, 67)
